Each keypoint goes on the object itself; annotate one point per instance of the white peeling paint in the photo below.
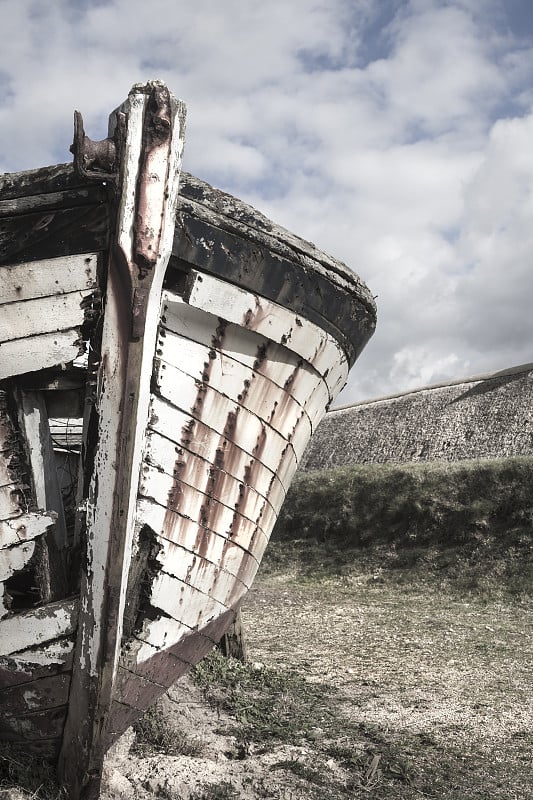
(24, 527)
(50, 276)
(38, 626)
(274, 322)
(53, 654)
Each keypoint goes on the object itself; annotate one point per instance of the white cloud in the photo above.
(417, 366)
(394, 134)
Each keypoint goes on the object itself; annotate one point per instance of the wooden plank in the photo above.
(37, 626)
(204, 575)
(33, 423)
(83, 196)
(233, 643)
(273, 321)
(39, 352)
(240, 530)
(35, 662)
(48, 277)
(191, 474)
(121, 717)
(164, 637)
(222, 553)
(40, 694)
(54, 233)
(208, 512)
(275, 362)
(223, 415)
(46, 750)
(157, 634)
(184, 603)
(24, 527)
(47, 724)
(204, 476)
(178, 558)
(269, 402)
(214, 447)
(156, 665)
(43, 180)
(176, 528)
(26, 318)
(188, 645)
(33, 420)
(137, 691)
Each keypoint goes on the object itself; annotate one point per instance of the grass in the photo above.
(154, 734)
(464, 526)
(32, 777)
(273, 707)
(390, 629)
(267, 704)
(435, 686)
(223, 790)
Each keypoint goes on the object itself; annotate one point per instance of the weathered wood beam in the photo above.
(38, 626)
(37, 661)
(39, 352)
(233, 643)
(87, 196)
(44, 180)
(50, 234)
(48, 277)
(33, 420)
(152, 122)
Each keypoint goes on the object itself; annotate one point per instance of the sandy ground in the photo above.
(444, 682)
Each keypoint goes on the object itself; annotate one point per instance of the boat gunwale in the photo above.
(212, 207)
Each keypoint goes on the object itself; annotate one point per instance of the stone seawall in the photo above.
(487, 416)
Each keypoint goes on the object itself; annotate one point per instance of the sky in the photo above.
(396, 135)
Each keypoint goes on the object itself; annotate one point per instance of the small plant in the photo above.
(216, 791)
(347, 756)
(403, 770)
(302, 771)
(268, 704)
(155, 734)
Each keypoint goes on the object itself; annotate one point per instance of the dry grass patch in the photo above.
(432, 691)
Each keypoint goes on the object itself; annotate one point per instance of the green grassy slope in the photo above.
(468, 522)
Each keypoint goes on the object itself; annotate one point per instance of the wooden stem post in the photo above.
(149, 143)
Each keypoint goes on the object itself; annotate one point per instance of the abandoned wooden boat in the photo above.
(164, 358)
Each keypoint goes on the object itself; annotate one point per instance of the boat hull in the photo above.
(202, 345)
